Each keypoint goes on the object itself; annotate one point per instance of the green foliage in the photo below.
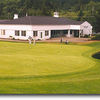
(74, 9)
(80, 15)
(87, 36)
(96, 37)
(97, 23)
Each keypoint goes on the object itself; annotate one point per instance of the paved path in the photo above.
(69, 39)
(76, 40)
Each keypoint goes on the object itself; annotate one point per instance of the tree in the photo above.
(80, 15)
(74, 9)
(97, 24)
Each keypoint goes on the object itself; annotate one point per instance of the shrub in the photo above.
(86, 36)
(10, 37)
(96, 37)
(13, 38)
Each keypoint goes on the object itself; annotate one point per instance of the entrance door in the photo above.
(41, 35)
(76, 33)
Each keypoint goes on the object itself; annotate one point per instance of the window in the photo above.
(17, 33)
(46, 33)
(2, 32)
(23, 33)
(35, 33)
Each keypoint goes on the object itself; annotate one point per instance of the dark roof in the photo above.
(41, 20)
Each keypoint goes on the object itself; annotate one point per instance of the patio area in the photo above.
(68, 39)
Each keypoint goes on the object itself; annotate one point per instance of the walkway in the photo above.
(76, 40)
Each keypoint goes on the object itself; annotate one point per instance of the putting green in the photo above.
(49, 68)
(22, 59)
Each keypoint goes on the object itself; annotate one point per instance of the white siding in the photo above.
(75, 27)
(10, 30)
(50, 27)
(87, 28)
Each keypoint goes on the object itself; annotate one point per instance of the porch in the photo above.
(66, 33)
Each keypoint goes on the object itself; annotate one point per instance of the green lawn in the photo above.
(48, 68)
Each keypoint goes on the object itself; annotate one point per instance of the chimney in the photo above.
(56, 14)
(15, 16)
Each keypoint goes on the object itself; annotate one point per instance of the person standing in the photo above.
(67, 42)
(61, 40)
(30, 39)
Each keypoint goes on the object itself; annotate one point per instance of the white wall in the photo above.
(7, 34)
(50, 27)
(10, 30)
(28, 33)
(43, 35)
(87, 28)
(75, 27)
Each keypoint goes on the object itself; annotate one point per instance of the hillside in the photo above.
(74, 9)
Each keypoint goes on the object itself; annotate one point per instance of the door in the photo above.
(41, 35)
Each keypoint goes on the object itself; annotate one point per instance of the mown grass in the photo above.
(49, 68)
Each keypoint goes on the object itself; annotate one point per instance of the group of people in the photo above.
(66, 42)
(30, 40)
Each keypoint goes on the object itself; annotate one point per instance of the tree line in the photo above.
(74, 9)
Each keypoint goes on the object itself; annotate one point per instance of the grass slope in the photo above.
(49, 68)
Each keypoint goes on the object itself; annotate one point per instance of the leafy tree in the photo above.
(74, 9)
(80, 15)
(97, 24)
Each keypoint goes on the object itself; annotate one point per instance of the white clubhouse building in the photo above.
(43, 27)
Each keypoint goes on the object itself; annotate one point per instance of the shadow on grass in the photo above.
(96, 55)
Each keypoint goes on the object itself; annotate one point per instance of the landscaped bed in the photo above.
(49, 68)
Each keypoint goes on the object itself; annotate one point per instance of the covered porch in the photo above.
(66, 33)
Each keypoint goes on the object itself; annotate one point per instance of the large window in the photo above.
(17, 33)
(23, 33)
(2, 32)
(35, 33)
(46, 33)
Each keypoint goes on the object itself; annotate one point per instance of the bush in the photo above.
(10, 37)
(13, 38)
(86, 36)
(96, 37)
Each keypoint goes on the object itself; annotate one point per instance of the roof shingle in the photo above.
(41, 20)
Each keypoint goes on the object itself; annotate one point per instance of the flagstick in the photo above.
(34, 43)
